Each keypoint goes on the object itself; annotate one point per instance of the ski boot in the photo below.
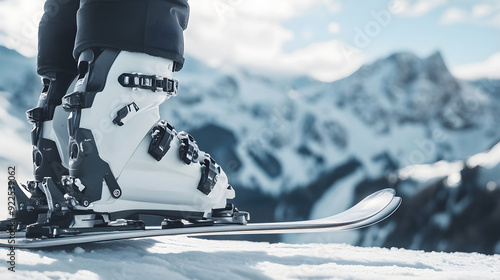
(49, 139)
(124, 160)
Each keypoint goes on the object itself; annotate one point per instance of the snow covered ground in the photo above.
(192, 258)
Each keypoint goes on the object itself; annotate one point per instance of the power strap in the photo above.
(151, 82)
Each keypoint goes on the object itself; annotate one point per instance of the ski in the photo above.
(374, 208)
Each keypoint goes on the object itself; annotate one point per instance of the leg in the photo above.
(57, 67)
(154, 27)
(56, 38)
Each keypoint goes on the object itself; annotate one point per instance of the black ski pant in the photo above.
(68, 27)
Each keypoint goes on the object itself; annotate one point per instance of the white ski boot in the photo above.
(124, 160)
(50, 141)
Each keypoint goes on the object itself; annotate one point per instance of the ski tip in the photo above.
(389, 190)
(384, 192)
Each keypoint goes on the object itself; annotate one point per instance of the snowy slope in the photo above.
(191, 258)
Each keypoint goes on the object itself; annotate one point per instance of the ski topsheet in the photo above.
(370, 210)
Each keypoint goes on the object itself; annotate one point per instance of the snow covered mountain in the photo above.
(296, 148)
(19, 90)
(307, 149)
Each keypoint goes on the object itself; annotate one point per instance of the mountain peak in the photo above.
(4, 51)
(436, 56)
(404, 60)
(424, 87)
(404, 68)
(402, 56)
(435, 64)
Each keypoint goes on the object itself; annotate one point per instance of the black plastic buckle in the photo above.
(209, 175)
(171, 86)
(162, 134)
(151, 82)
(74, 100)
(188, 150)
(37, 114)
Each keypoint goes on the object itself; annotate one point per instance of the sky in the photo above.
(324, 39)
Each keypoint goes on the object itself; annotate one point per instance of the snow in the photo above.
(424, 172)
(451, 170)
(192, 258)
(488, 159)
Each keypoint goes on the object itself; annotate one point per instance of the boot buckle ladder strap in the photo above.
(151, 82)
